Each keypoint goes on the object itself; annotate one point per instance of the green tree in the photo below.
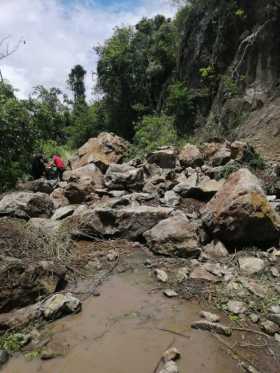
(76, 82)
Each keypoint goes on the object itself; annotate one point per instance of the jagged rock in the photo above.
(201, 273)
(209, 316)
(171, 354)
(40, 185)
(26, 205)
(275, 272)
(184, 188)
(171, 198)
(216, 153)
(274, 308)
(112, 255)
(240, 213)
(169, 367)
(164, 158)
(215, 249)
(182, 274)
(251, 265)
(125, 177)
(58, 198)
(46, 226)
(212, 326)
(254, 317)
(64, 212)
(58, 305)
(130, 222)
(78, 192)
(277, 337)
(255, 288)
(175, 236)
(236, 307)
(274, 317)
(103, 150)
(89, 174)
(242, 151)
(22, 283)
(270, 327)
(161, 275)
(191, 156)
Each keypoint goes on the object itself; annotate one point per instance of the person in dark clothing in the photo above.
(38, 168)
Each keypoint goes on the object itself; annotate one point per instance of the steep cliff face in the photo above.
(230, 58)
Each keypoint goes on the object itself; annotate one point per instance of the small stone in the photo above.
(48, 355)
(161, 275)
(275, 317)
(270, 327)
(275, 308)
(182, 274)
(254, 317)
(60, 304)
(4, 357)
(209, 316)
(170, 367)
(211, 326)
(275, 272)
(277, 337)
(171, 355)
(216, 249)
(236, 307)
(201, 273)
(251, 265)
(169, 293)
(112, 256)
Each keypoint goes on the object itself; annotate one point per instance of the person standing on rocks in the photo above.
(59, 164)
(38, 168)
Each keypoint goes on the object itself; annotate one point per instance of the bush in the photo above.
(152, 132)
(51, 147)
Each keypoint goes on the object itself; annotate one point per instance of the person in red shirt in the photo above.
(59, 164)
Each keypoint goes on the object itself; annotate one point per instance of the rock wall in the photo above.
(239, 43)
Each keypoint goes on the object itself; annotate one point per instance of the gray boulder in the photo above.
(26, 205)
(123, 176)
(174, 236)
(59, 305)
(164, 158)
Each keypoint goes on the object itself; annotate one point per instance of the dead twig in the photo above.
(175, 333)
(251, 331)
(161, 359)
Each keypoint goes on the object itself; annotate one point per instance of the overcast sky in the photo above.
(61, 33)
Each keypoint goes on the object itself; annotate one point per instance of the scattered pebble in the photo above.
(237, 308)
(251, 265)
(277, 337)
(270, 327)
(171, 355)
(112, 256)
(170, 367)
(275, 308)
(161, 275)
(209, 316)
(169, 293)
(275, 272)
(182, 274)
(254, 317)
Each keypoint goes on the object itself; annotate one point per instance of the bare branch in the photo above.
(7, 49)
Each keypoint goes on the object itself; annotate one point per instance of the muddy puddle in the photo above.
(119, 332)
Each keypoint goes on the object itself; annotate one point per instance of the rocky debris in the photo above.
(175, 236)
(169, 367)
(254, 318)
(22, 283)
(58, 305)
(103, 150)
(172, 354)
(277, 337)
(129, 223)
(58, 198)
(191, 156)
(124, 177)
(215, 250)
(236, 307)
(240, 214)
(251, 265)
(275, 272)
(77, 192)
(63, 212)
(164, 158)
(161, 275)
(171, 199)
(40, 185)
(4, 357)
(217, 153)
(270, 327)
(201, 273)
(169, 293)
(212, 327)
(274, 317)
(254, 288)
(209, 316)
(46, 227)
(26, 205)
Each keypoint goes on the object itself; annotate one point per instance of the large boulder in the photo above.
(174, 236)
(27, 205)
(124, 177)
(102, 150)
(22, 283)
(164, 158)
(41, 185)
(240, 213)
(87, 174)
(217, 153)
(58, 198)
(128, 222)
(191, 156)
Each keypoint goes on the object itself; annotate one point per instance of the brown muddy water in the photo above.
(118, 332)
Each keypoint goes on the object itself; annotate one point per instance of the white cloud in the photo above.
(58, 37)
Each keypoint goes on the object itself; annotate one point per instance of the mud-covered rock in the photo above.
(26, 205)
(58, 305)
(240, 213)
(175, 236)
